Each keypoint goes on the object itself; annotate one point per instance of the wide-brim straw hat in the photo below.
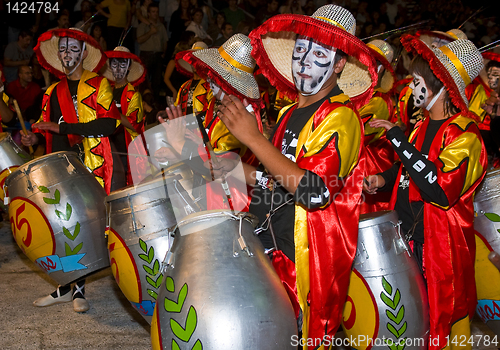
(428, 36)
(137, 71)
(455, 64)
(182, 65)
(47, 50)
(331, 25)
(384, 53)
(231, 66)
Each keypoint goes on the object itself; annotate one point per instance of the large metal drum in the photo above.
(11, 157)
(220, 290)
(487, 224)
(140, 220)
(58, 216)
(387, 297)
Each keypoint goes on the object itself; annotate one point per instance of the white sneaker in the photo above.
(50, 300)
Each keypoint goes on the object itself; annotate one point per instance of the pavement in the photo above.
(111, 322)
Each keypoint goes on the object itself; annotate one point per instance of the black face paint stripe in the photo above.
(323, 65)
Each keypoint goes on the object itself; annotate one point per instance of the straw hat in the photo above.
(428, 36)
(331, 25)
(384, 53)
(231, 66)
(47, 50)
(181, 64)
(137, 71)
(455, 64)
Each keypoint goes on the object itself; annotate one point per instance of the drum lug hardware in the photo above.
(30, 187)
(70, 169)
(135, 222)
(400, 243)
(241, 242)
(269, 251)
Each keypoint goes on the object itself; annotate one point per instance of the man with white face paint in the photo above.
(310, 177)
(440, 167)
(483, 98)
(78, 114)
(125, 71)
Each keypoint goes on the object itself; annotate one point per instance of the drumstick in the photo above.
(21, 120)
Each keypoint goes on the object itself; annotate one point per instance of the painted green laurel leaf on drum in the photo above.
(185, 333)
(23, 156)
(74, 251)
(55, 200)
(148, 258)
(71, 236)
(175, 346)
(67, 215)
(395, 313)
(169, 283)
(196, 346)
(43, 189)
(155, 283)
(176, 306)
(492, 217)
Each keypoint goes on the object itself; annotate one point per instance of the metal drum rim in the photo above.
(35, 161)
(134, 189)
(384, 216)
(171, 168)
(195, 217)
(7, 136)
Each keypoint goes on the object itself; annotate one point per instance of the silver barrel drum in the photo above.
(220, 290)
(487, 224)
(11, 157)
(58, 216)
(387, 298)
(139, 223)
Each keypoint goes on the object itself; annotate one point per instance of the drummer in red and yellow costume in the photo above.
(7, 115)
(483, 98)
(125, 72)
(313, 165)
(194, 95)
(379, 153)
(433, 186)
(78, 114)
(407, 113)
(229, 70)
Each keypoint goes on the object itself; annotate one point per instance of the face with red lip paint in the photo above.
(70, 52)
(312, 66)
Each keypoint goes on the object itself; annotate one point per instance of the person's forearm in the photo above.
(102, 127)
(6, 113)
(285, 171)
(10, 63)
(143, 38)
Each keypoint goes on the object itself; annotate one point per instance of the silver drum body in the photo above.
(220, 290)
(387, 297)
(486, 224)
(11, 157)
(58, 216)
(140, 220)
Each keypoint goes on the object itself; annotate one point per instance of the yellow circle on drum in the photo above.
(123, 267)
(155, 331)
(360, 319)
(3, 176)
(31, 229)
(487, 275)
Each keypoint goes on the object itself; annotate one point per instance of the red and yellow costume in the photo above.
(325, 240)
(477, 93)
(380, 155)
(448, 256)
(95, 100)
(200, 97)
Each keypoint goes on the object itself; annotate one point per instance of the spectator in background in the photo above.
(85, 24)
(226, 33)
(215, 28)
(207, 13)
(270, 10)
(173, 78)
(152, 41)
(16, 54)
(119, 18)
(41, 76)
(62, 21)
(179, 22)
(234, 14)
(23, 89)
(292, 6)
(96, 33)
(197, 28)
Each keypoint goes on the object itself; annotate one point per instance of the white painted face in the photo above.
(70, 52)
(119, 68)
(312, 66)
(493, 77)
(438, 42)
(420, 91)
(216, 90)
